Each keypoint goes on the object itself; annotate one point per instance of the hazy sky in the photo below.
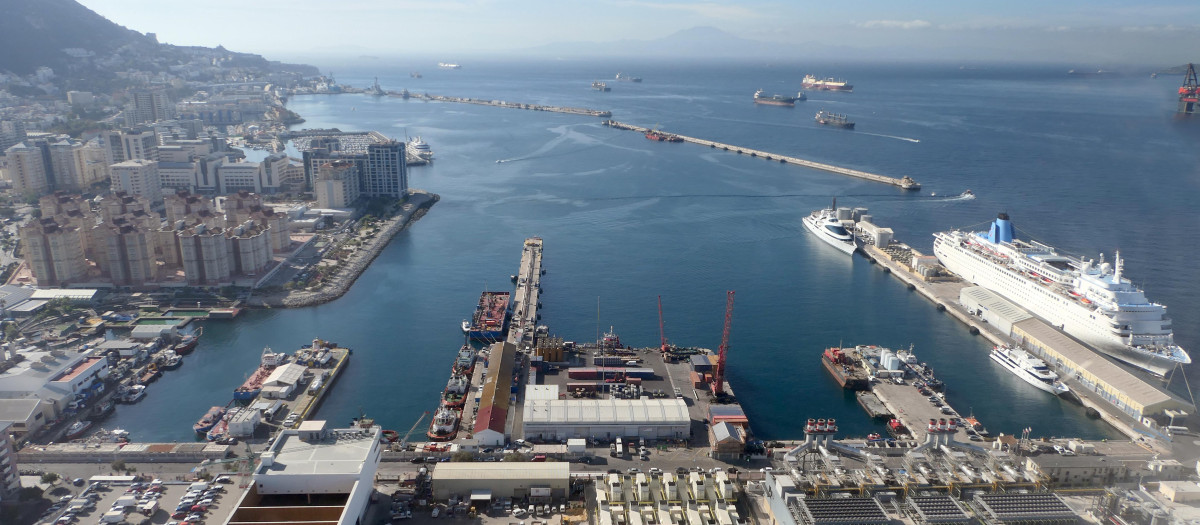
(1157, 31)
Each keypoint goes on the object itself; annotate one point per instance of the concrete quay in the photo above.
(905, 182)
(511, 105)
(945, 295)
(525, 300)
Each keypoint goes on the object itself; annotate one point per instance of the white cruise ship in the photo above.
(825, 225)
(1029, 368)
(1086, 299)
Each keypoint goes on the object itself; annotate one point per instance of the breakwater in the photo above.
(505, 104)
(905, 182)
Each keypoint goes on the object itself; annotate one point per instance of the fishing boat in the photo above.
(209, 420)
(77, 429)
(171, 360)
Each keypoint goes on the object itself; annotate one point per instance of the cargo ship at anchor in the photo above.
(773, 100)
(622, 77)
(1086, 299)
(600, 86)
(253, 385)
(825, 84)
(490, 318)
(843, 364)
(826, 118)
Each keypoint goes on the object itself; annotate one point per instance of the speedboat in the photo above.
(466, 326)
(825, 225)
(77, 429)
(1029, 368)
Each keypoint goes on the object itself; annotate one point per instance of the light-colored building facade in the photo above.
(54, 252)
(137, 177)
(27, 170)
(337, 184)
(204, 255)
(239, 176)
(149, 105)
(547, 480)
(139, 144)
(10, 479)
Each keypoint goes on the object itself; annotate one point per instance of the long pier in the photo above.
(905, 182)
(525, 300)
(504, 104)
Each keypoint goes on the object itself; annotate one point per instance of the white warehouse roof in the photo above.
(994, 303)
(606, 411)
(79, 294)
(288, 374)
(509, 470)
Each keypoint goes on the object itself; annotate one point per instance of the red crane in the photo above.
(718, 384)
(1189, 93)
(661, 334)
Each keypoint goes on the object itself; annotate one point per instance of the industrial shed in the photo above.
(992, 308)
(606, 418)
(545, 481)
(491, 421)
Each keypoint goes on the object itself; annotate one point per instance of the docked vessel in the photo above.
(773, 100)
(77, 429)
(186, 344)
(600, 86)
(843, 364)
(663, 136)
(132, 394)
(464, 362)
(1029, 368)
(826, 118)
(825, 84)
(490, 317)
(209, 420)
(448, 65)
(219, 430)
(419, 149)
(1087, 299)
(825, 225)
(622, 77)
(444, 425)
(171, 360)
(253, 384)
(455, 394)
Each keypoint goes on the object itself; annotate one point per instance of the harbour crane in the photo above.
(661, 333)
(1189, 93)
(404, 442)
(718, 382)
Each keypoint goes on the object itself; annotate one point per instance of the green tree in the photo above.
(118, 465)
(515, 457)
(50, 478)
(462, 457)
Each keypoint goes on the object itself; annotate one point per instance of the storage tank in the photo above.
(844, 214)
(858, 213)
(894, 364)
(865, 217)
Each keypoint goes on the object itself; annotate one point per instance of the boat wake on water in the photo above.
(906, 139)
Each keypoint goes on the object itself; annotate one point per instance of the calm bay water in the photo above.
(1088, 165)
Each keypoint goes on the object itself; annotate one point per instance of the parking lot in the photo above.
(102, 498)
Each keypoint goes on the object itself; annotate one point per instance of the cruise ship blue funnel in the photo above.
(1002, 230)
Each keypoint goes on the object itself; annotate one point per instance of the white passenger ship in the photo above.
(825, 225)
(1029, 368)
(1086, 299)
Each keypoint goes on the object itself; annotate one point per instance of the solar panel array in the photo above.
(938, 509)
(1041, 508)
(841, 511)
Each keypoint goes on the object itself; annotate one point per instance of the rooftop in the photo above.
(531, 470)
(342, 451)
(606, 411)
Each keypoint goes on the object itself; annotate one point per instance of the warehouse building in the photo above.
(558, 419)
(491, 421)
(484, 482)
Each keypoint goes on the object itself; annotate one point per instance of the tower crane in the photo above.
(718, 384)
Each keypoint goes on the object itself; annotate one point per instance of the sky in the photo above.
(1087, 31)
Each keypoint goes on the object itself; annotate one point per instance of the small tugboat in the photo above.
(209, 420)
(444, 425)
(186, 344)
(826, 118)
(77, 429)
(455, 394)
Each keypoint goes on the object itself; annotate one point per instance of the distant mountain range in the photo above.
(69, 38)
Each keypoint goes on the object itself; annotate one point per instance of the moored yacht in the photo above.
(1029, 368)
(825, 225)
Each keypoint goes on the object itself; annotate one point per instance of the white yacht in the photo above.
(420, 149)
(825, 225)
(1088, 300)
(1029, 368)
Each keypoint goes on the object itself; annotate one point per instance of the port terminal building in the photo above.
(312, 474)
(546, 417)
(487, 481)
(1119, 387)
